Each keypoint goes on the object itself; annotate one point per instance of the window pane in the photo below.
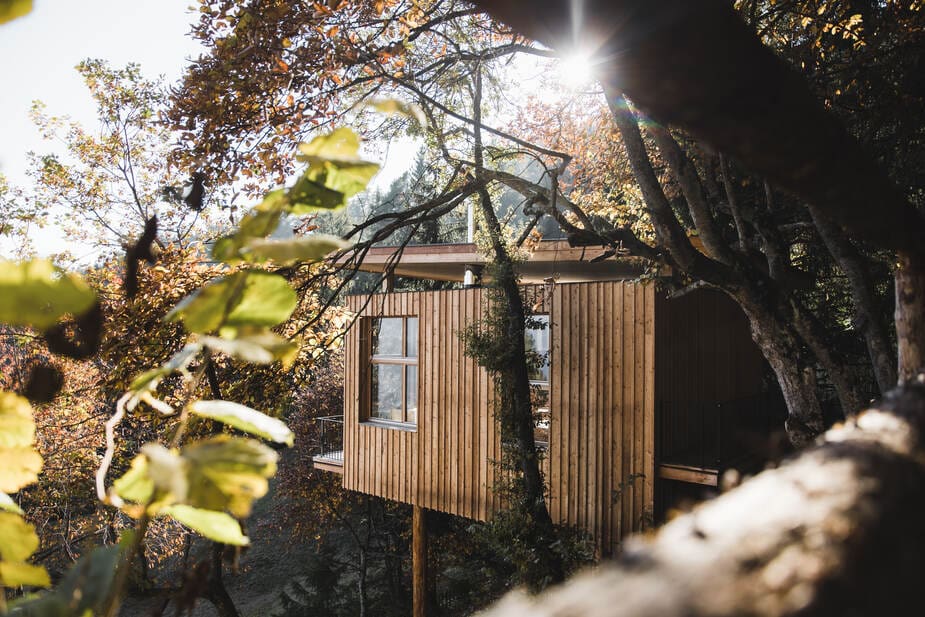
(411, 393)
(412, 349)
(537, 342)
(385, 391)
(386, 335)
(539, 396)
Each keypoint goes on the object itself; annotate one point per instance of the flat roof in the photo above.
(550, 259)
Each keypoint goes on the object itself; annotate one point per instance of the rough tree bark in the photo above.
(773, 334)
(864, 297)
(836, 531)
(910, 314)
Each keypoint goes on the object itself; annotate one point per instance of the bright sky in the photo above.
(37, 58)
(38, 54)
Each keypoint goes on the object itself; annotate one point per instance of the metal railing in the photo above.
(331, 438)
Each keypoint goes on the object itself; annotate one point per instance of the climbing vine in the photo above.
(513, 534)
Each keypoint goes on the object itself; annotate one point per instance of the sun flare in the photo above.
(576, 69)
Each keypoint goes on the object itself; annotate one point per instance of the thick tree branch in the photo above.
(866, 318)
(689, 180)
(667, 228)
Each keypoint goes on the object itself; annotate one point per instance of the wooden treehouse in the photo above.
(644, 399)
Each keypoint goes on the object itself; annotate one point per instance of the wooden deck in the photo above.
(330, 462)
(686, 473)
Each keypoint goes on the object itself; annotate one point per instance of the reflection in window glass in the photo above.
(387, 336)
(386, 392)
(411, 393)
(412, 337)
(393, 387)
(539, 398)
(537, 342)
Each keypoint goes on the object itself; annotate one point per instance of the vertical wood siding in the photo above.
(447, 462)
(602, 431)
(600, 462)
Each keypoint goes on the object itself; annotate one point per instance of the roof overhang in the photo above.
(550, 259)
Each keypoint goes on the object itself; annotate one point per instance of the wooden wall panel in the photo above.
(602, 435)
(599, 466)
(446, 463)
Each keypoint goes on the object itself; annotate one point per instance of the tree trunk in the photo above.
(779, 344)
(216, 593)
(836, 531)
(910, 315)
(812, 333)
(866, 316)
(361, 579)
(804, 413)
(521, 411)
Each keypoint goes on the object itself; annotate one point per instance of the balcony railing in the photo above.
(331, 440)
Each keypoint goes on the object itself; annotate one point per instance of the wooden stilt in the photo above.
(419, 571)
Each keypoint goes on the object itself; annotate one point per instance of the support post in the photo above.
(419, 570)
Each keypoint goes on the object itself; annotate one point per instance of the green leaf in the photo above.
(17, 429)
(8, 505)
(285, 252)
(16, 574)
(228, 473)
(11, 9)
(257, 224)
(335, 173)
(136, 485)
(329, 184)
(308, 195)
(245, 419)
(19, 467)
(81, 592)
(167, 471)
(274, 201)
(219, 473)
(20, 464)
(17, 538)
(36, 293)
(248, 298)
(347, 178)
(217, 526)
(178, 362)
(260, 346)
(340, 144)
(266, 300)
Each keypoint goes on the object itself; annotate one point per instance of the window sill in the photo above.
(390, 424)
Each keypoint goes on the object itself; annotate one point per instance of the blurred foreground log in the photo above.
(837, 530)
